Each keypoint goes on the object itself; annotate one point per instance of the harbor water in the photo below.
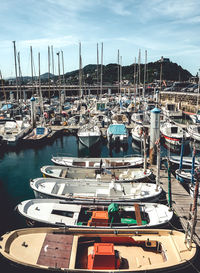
(19, 165)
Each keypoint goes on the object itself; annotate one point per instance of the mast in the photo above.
(32, 70)
(63, 70)
(145, 69)
(20, 76)
(49, 64)
(40, 91)
(15, 58)
(101, 68)
(80, 71)
(98, 68)
(118, 72)
(52, 61)
(59, 83)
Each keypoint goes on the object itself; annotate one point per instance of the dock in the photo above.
(181, 201)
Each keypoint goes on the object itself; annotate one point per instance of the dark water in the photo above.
(19, 165)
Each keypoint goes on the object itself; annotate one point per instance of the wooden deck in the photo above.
(56, 251)
(181, 201)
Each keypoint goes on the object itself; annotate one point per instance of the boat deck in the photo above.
(56, 251)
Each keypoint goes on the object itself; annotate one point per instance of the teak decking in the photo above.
(56, 251)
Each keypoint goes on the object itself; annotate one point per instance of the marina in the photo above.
(19, 191)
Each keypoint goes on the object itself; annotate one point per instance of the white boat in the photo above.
(117, 133)
(98, 192)
(38, 134)
(186, 161)
(104, 175)
(170, 110)
(194, 132)
(104, 251)
(12, 131)
(184, 175)
(137, 134)
(173, 134)
(89, 134)
(60, 213)
(95, 162)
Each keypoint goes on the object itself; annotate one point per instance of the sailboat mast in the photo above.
(59, 83)
(80, 71)
(118, 72)
(145, 69)
(52, 58)
(15, 58)
(20, 75)
(101, 68)
(49, 64)
(97, 69)
(32, 69)
(40, 90)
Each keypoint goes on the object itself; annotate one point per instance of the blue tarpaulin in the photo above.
(117, 129)
(6, 107)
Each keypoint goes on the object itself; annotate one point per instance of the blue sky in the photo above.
(169, 28)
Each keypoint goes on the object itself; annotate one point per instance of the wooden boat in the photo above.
(94, 191)
(96, 163)
(72, 250)
(61, 213)
(104, 175)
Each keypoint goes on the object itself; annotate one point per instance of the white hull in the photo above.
(97, 192)
(60, 213)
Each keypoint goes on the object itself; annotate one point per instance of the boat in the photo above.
(173, 134)
(137, 134)
(104, 175)
(38, 134)
(72, 250)
(186, 161)
(13, 130)
(194, 131)
(94, 191)
(95, 162)
(170, 110)
(117, 133)
(89, 134)
(184, 175)
(60, 213)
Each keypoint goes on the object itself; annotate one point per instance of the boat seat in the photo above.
(138, 214)
(61, 189)
(63, 173)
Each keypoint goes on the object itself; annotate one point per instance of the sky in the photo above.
(169, 28)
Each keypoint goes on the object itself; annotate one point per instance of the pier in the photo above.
(181, 201)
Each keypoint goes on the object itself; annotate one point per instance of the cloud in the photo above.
(58, 42)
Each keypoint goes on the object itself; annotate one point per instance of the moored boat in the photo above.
(60, 213)
(95, 162)
(94, 191)
(101, 251)
(104, 175)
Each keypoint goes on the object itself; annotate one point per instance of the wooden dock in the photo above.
(181, 201)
